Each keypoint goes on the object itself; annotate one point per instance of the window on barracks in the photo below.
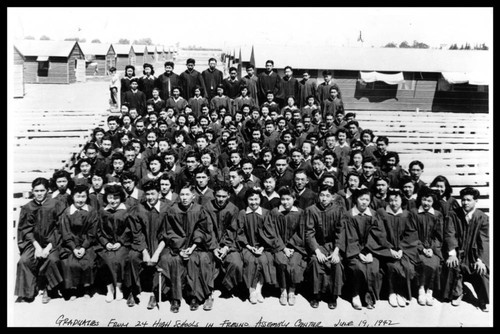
(43, 68)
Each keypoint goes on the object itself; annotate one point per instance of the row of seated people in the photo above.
(338, 244)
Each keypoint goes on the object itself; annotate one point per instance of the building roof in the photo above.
(121, 49)
(95, 49)
(139, 48)
(45, 48)
(246, 52)
(375, 59)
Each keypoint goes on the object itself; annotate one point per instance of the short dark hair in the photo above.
(40, 181)
(115, 190)
(190, 61)
(470, 191)
(286, 190)
(151, 185)
(128, 175)
(169, 63)
(269, 62)
(252, 191)
(384, 139)
(416, 162)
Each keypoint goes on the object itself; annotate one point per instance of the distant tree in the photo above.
(461, 47)
(45, 38)
(96, 41)
(467, 46)
(419, 45)
(484, 47)
(123, 41)
(404, 44)
(454, 47)
(29, 37)
(391, 45)
(140, 41)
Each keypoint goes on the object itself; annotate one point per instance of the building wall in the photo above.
(101, 66)
(76, 53)
(18, 77)
(57, 73)
(121, 62)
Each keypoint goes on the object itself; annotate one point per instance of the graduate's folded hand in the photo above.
(480, 267)
(452, 261)
(145, 257)
(335, 258)
(116, 246)
(369, 258)
(362, 257)
(218, 253)
(38, 252)
(428, 252)
(45, 252)
(395, 254)
(400, 253)
(322, 258)
(109, 246)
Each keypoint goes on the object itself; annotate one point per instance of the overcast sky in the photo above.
(227, 27)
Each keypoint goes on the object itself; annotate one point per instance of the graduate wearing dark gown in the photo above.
(78, 229)
(279, 229)
(257, 269)
(429, 226)
(113, 228)
(145, 221)
(186, 226)
(189, 79)
(467, 238)
(401, 236)
(38, 222)
(364, 232)
(324, 233)
(224, 229)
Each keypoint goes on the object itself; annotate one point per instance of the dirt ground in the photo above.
(226, 312)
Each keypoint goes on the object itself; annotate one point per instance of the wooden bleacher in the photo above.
(45, 141)
(455, 145)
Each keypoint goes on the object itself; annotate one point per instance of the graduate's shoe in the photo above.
(393, 300)
(72, 298)
(209, 304)
(370, 304)
(109, 297)
(45, 297)
(193, 306)
(332, 304)
(152, 302)
(130, 300)
(484, 307)
(314, 303)
(260, 297)
(291, 298)
(174, 306)
(421, 298)
(253, 297)
(401, 300)
(356, 302)
(429, 300)
(283, 298)
(458, 300)
(119, 294)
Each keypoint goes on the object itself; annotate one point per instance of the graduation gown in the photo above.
(363, 234)
(231, 88)
(146, 85)
(189, 80)
(38, 222)
(78, 229)
(223, 221)
(254, 267)
(184, 227)
(279, 229)
(211, 79)
(196, 104)
(166, 83)
(112, 228)
(306, 88)
(306, 198)
(471, 242)
(430, 234)
(401, 236)
(146, 226)
(269, 81)
(253, 87)
(323, 231)
(135, 100)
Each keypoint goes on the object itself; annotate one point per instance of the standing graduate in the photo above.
(251, 81)
(307, 89)
(467, 241)
(364, 233)
(279, 233)
(191, 78)
(147, 81)
(115, 240)
(78, 225)
(258, 266)
(167, 80)
(399, 258)
(269, 81)
(135, 98)
(125, 81)
(228, 264)
(187, 261)
(38, 239)
(324, 243)
(145, 223)
(428, 222)
(212, 78)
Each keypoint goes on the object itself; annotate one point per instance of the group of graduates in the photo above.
(181, 199)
